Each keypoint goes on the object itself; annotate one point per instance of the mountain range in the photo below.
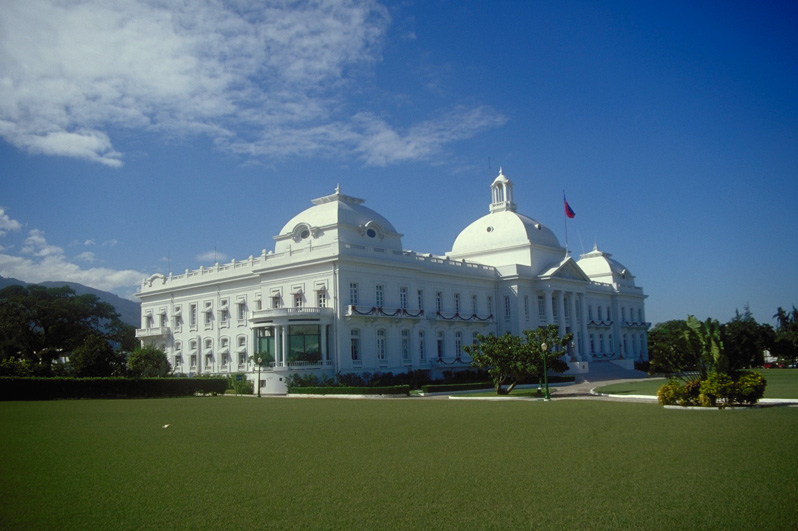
(129, 311)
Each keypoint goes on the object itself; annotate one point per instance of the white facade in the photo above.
(339, 294)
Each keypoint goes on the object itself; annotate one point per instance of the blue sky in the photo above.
(144, 136)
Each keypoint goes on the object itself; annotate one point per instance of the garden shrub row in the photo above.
(448, 388)
(745, 388)
(56, 388)
(390, 390)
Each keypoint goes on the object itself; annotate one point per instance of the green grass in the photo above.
(782, 383)
(246, 463)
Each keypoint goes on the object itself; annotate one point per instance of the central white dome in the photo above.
(505, 237)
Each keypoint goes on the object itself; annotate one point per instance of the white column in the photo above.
(549, 307)
(583, 326)
(323, 341)
(572, 315)
(561, 309)
(284, 344)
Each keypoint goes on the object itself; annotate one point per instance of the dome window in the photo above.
(490, 229)
(371, 233)
(372, 229)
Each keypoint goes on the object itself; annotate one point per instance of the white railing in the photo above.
(302, 311)
(152, 332)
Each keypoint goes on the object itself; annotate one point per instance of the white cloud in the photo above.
(211, 256)
(7, 224)
(44, 262)
(87, 256)
(260, 78)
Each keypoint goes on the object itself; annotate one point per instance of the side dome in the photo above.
(341, 218)
(601, 268)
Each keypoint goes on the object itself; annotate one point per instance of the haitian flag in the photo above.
(568, 210)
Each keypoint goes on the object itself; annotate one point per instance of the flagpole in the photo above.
(565, 222)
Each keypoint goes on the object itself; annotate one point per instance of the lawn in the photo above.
(782, 383)
(412, 463)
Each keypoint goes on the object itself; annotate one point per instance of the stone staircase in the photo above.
(606, 370)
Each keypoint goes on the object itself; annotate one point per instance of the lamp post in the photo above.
(260, 360)
(545, 348)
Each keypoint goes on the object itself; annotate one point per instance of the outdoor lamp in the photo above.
(545, 348)
(260, 360)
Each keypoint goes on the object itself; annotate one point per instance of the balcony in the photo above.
(157, 331)
(378, 311)
(277, 313)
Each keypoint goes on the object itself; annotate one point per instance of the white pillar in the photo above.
(583, 325)
(284, 344)
(572, 315)
(549, 307)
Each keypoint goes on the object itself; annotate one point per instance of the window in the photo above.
(592, 344)
(474, 305)
(609, 317)
(353, 294)
(224, 316)
(163, 320)
(566, 309)
(438, 301)
(490, 305)
(242, 310)
(208, 311)
(599, 313)
(420, 299)
(541, 306)
(276, 301)
(601, 343)
(380, 298)
(209, 344)
(590, 312)
(457, 303)
(225, 359)
(208, 361)
(526, 306)
(458, 343)
(555, 308)
(178, 361)
(380, 344)
(406, 346)
(623, 314)
(193, 361)
(507, 306)
(258, 305)
(192, 315)
(176, 319)
(474, 339)
(321, 298)
(440, 344)
(242, 359)
(422, 353)
(298, 300)
(354, 341)
(403, 298)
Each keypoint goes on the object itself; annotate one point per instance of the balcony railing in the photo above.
(302, 311)
(156, 331)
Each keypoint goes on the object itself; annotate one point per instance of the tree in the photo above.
(745, 340)
(668, 349)
(705, 335)
(40, 324)
(510, 359)
(96, 358)
(785, 343)
(148, 362)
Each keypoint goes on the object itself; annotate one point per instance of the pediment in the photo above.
(567, 270)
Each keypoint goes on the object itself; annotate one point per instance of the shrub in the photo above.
(672, 393)
(750, 387)
(717, 387)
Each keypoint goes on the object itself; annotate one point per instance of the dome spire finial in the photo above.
(502, 194)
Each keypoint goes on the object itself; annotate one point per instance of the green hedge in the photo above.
(391, 390)
(55, 388)
(447, 388)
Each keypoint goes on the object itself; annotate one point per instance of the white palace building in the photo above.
(340, 294)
